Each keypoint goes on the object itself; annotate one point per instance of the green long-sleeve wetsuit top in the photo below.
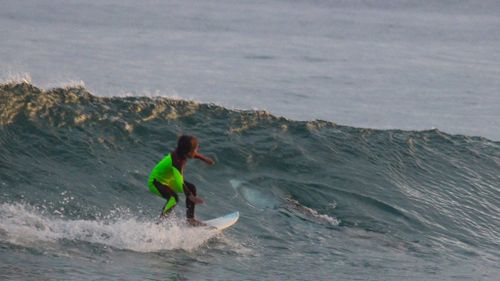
(166, 174)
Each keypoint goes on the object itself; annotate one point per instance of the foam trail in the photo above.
(259, 200)
(294, 204)
(22, 225)
(254, 197)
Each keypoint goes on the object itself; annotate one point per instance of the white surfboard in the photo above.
(223, 222)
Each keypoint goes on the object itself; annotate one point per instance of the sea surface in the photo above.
(359, 140)
(398, 64)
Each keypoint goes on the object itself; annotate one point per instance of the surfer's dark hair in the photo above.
(186, 144)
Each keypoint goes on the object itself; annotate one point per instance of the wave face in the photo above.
(342, 200)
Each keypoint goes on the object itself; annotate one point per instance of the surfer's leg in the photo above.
(190, 204)
(169, 206)
(169, 195)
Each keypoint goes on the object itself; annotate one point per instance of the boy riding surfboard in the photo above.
(166, 179)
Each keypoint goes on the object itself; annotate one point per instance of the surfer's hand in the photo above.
(209, 161)
(196, 200)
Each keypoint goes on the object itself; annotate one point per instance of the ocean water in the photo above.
(410, 65)
(317, 200)
(358, 139)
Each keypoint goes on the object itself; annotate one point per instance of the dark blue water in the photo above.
(317, 200)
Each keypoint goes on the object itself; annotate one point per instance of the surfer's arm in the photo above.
(203, 158)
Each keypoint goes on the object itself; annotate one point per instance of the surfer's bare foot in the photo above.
(195, 222)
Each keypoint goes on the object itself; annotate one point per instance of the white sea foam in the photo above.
(311, 212)
(65, 84)
(23, 225)
(15, 78)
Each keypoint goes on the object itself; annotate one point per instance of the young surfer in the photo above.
(166, 178)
